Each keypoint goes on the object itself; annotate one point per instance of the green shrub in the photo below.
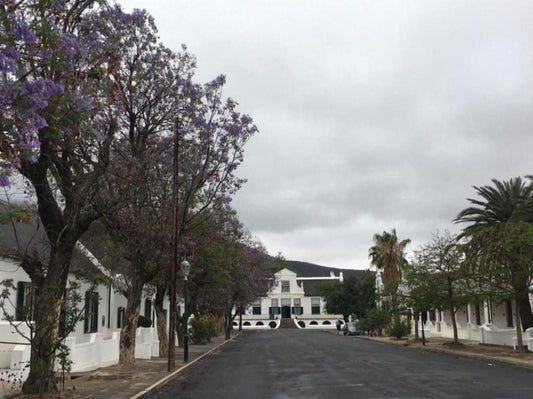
(375, 320)
(144, 321)
(212, 325)
(399, 329)
(199, 331)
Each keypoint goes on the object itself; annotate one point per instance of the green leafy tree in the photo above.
(420, 288)
(351, 296)
(439, 277)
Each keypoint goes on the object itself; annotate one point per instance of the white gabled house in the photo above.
(94, 342)
(295, 296)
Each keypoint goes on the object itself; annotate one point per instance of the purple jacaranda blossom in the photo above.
(21, 30)
(8, 59)
(4, 181)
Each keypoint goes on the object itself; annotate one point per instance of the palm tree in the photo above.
(501, 205)
(388, 255)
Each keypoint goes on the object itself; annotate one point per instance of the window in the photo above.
(315, 305)
(120, 317)
(148, 308)
(274, 309)
(297, 309)
(285, 286)
(24, 309)
(91, 312)
(509, 313)
(478, 314)
(256, 307)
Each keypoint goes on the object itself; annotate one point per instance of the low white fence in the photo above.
(493, 335)
(97, 349)
(317, 324)
(527, 339)
(258, 324)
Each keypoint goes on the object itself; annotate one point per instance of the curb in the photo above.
(167, 378)
(477, 356)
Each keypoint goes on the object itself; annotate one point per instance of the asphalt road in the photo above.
(289, 363)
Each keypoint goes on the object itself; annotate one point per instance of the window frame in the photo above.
(315, 309)
(90, 322)
(256, 307)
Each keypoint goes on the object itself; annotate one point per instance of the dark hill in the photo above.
(305, 269)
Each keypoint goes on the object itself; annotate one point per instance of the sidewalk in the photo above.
(133, 382)
(492, 354)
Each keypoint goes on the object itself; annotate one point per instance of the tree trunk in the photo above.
(161, 320)
(519, 340)
(416, 317)
(454, 326)
(228, 322)
(131, 317)
(526, 316)
(394, 306)
(48, 300)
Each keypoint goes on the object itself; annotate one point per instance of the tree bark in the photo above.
(454, 326)
(519, 340)
(131, 317)
(526, 316)
(161, 321)
(48, 300)
(415, 317)
(228, 321)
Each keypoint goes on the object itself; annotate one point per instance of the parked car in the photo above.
(350, 329)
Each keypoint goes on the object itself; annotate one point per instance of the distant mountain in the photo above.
(305, 269)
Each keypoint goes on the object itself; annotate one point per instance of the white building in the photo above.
(94, 342)
(296, 296)
(488, 322)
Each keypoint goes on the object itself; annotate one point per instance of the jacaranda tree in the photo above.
(55, 130)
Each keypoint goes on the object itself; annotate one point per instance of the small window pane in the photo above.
(256, 307)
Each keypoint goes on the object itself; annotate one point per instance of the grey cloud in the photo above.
(372, 114)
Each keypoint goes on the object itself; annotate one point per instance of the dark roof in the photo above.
(29, 239)
(304, 269)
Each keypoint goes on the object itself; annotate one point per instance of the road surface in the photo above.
(290, 363)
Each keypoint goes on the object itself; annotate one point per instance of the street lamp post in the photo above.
(185, 268)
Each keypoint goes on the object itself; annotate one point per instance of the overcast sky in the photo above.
(373, 115)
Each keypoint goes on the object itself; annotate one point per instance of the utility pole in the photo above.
(173, 284)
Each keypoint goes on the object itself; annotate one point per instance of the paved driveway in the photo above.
(289, 363)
